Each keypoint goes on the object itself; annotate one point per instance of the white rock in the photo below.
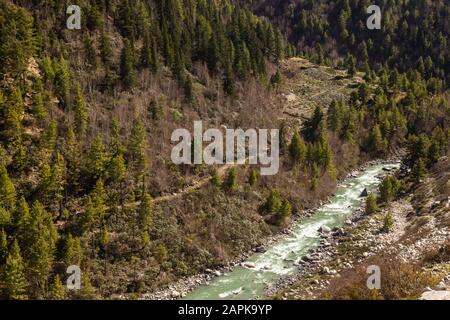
(435, 295)
(324, 229)
(248, 264)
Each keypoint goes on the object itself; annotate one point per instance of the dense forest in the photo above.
(413, 35)
(86, 117)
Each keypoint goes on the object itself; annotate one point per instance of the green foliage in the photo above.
(57, 290)
(419, 170)
(297, 149)
(230, 183)
(81, 112)
(371, 204)
(127, 64)
(253, 178)
(73, 253)
(388, 222)
(13, 275)
(145, 213)
(17, 39)
(273, 202)
(7, 190)
(389, 188)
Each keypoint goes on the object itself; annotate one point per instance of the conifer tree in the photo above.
(105, 49)
(273, 202)
(3, 246)
(230, 181)
(137, 147)
(419, 170)
(81, 113)
(14, 276)
(297, 149)
(72, 251)
(371, 204)
(7, 190)
(145, 213)
(57, 290)
(127, 64)
(97, 159)
(5, 217)
(62, 80)
(13, 110)
(253, 179)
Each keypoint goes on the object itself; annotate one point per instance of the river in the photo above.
(279, 259)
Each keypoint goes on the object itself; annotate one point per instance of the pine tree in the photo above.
(145, 213)
(3, 246)
(127, 64)
(230, 181)
(57, 290)
(105, 49)
(62, 80)
(419, 170)
(378, 144)
(72, 157)
(389, 188)
(72, 251)
(284, 212)
(351, 65)
(297, 149)
(137, 147)
(21, 220)
(273, 202)
(7, 190)
(81, 113)
(98, 199)
(13, 275)
(13, 110)
(215, 179)
(5, 217)
(388, 222)
(97, 159)
(253, 179)
(149, 55)
(371, 204)
(334, 116)
(40, 253)
(188, 88)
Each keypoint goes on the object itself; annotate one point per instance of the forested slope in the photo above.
(86, 118)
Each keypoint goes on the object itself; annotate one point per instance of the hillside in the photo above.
(86, 118)
(413, 252)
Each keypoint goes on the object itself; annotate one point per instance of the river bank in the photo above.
(415, 246)
(186, 285)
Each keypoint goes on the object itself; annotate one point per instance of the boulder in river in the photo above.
(248, 264)
(260, 249)
(324, 229)
(364, 193)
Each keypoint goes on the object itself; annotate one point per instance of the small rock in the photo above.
(440, 287)
(248, 264)
(324, 229)
(175, 294)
